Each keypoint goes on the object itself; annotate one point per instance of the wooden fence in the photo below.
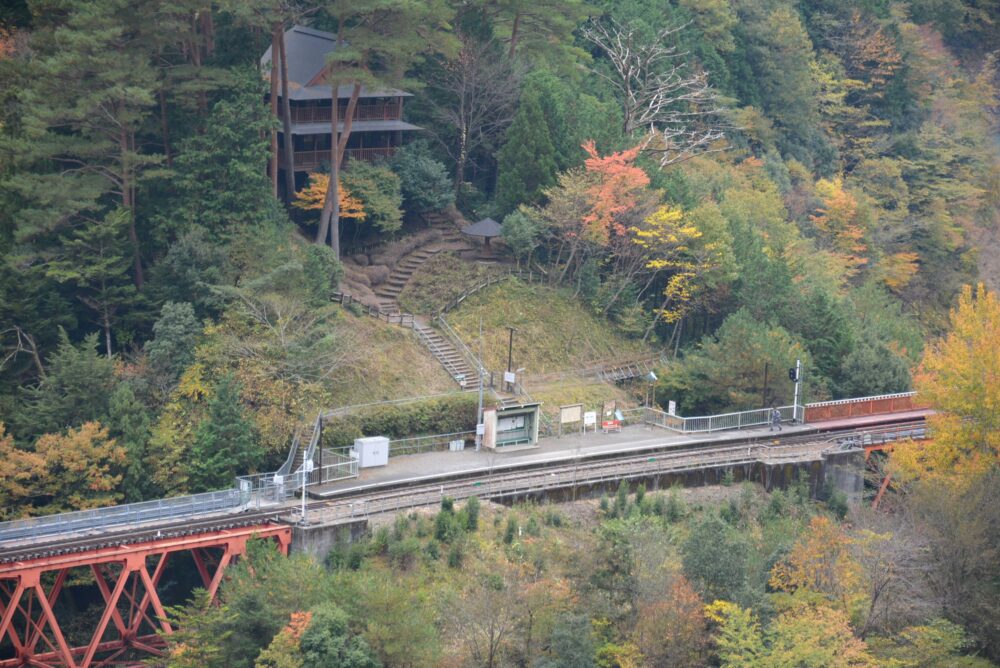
(401, 319)
(499, 277)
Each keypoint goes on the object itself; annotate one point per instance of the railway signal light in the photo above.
(793, 374)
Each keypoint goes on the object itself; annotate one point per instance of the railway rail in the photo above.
(494, 482)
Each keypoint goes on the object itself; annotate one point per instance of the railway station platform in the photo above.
(428, 466)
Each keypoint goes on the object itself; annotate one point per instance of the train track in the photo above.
(496, 483)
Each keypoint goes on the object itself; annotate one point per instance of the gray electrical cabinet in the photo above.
(371, 451)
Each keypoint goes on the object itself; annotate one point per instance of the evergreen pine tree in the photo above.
(527, 162)
(129, 424)
(225, 444)
(220, 174)
(95, 258)
(172, 350)
(91, 90)
(75, 390)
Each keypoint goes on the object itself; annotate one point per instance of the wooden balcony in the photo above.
(309, 160)
(390, 111)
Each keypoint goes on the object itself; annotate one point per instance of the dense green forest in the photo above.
(741, 183)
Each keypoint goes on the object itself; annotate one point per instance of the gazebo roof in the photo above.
(487, 227)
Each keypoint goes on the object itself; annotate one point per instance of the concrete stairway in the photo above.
(445, 353)
(449, 232)
(388, 292)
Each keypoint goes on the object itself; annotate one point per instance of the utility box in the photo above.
(371, 451)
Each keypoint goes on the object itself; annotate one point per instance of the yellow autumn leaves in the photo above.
(960, 378)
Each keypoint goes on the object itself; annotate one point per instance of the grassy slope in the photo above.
(591, 393)
(390, 364)
(439, 280)
(555, 331)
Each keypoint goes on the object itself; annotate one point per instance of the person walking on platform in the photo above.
(775, 420)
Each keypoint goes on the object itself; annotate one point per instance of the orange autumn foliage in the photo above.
(311, 198)
(820, 562)
(672, 630)
(615, 191)
(837, 221)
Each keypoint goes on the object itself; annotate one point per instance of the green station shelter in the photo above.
(508, 425)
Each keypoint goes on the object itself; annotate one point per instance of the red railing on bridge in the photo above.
(128, 577)
(877, 405)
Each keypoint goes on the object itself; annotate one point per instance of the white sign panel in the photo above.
(508, 376)
(590, 418)
(480, 429)
(672, 408)
(568, 414)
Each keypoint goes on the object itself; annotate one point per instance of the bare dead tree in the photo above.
(23, 342)
(478, 89)
(661, 91)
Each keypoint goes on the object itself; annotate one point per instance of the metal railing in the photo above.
(452, 337)
(342, 467)
(378, 111)
(129, 514)
(417, 444)
(440, 353)
(709, 423)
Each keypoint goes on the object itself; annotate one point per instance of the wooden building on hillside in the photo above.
(378, 127)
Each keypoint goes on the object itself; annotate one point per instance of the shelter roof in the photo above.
(487, 227)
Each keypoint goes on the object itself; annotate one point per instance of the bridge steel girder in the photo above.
(28, 618)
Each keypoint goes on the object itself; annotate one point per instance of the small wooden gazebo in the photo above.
(487, 228)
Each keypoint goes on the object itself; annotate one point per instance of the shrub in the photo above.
(621, 499)
(378, 189)
(455, 556)
(377, 274)
(510, 533)
(674, 510)
(444, 415)
(399, 527)
(472, 514)
(447, 527)
(403, 554)
(424, 181)
(322, 273)
(605, 504)
(381, 540)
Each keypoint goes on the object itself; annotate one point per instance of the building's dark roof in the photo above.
(307, 50)
(357, 126)
(487, 227)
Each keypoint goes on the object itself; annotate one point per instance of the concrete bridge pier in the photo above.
(319, 539)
